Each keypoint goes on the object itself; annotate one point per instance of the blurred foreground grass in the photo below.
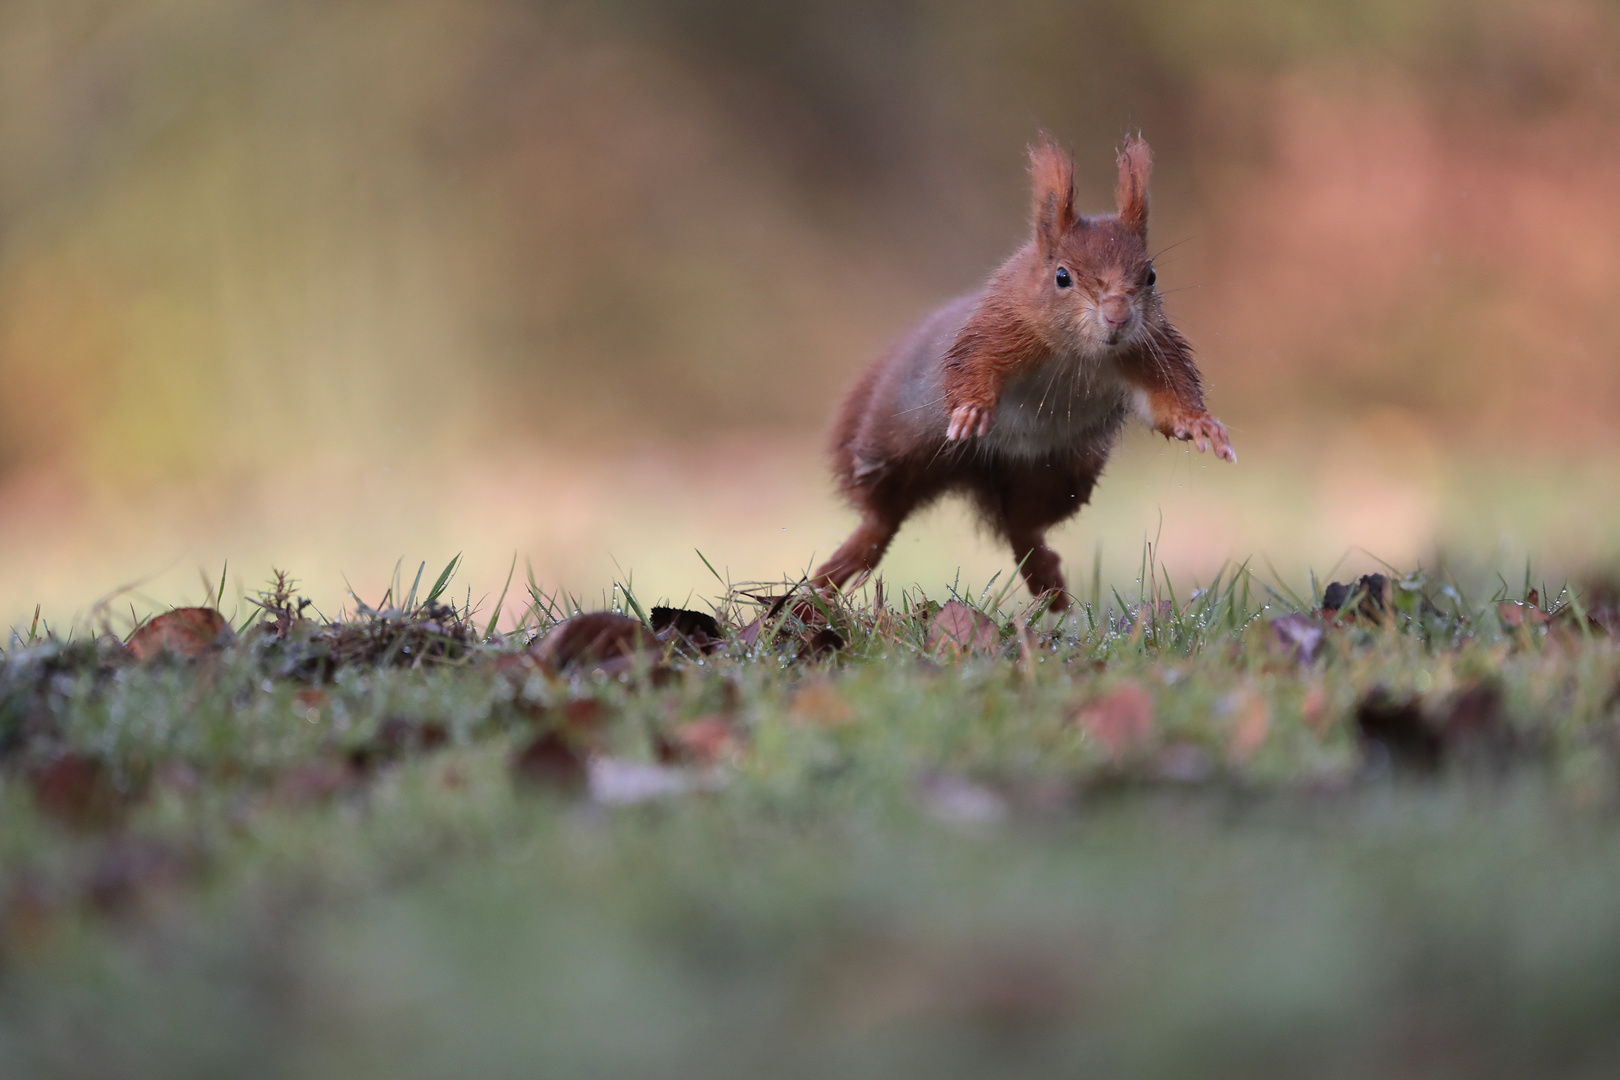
(1221, 834)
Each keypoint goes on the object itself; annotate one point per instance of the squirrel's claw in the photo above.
(967, 421)
(1207, 433)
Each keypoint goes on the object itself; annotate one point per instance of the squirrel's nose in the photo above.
(1115, 310)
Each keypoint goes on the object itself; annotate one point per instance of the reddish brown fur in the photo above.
(1135, 162)
(961, 404)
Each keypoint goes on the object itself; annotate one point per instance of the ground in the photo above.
(1232, 833)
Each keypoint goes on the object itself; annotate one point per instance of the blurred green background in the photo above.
(324, 285)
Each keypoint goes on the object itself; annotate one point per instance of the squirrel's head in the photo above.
(1094, 282)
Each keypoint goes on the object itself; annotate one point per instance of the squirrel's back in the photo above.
(899, 402)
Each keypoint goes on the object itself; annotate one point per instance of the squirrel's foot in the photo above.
(969, 420)
(1206, 433)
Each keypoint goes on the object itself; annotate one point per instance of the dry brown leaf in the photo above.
(76, 789)
(1251, 721)
(397, 737)
(188, 633)
(1513, 613)
(958, 629)
(515, 667)
(1121, 720)
(694, 631)
(1374, 591)
(819, 702)
(130, 870)
(598, 639)
(704, 741)
(1396, 730)
(551, 762)
(1420, 735)
(315, 781)
(823, 642)
(1314, 707)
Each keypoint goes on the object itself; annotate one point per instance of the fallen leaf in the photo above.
(1475, 711)
(315, 781)
(823, 642)
(698, 631)
(1601, 601)
(187, 633)
(1372, 590)
(1396, 731)
(604, 640)
(1251, 721)
(618, 782)
(584, 716)
(397, 737)
(957, 629)
(807, 613)
(1119, 721)
(1468, 728)
(551, 762)
(1314, 706)
(1297, 634)
(819, 702)
(749, 634)
(130, 870)
(1513, 613)
(517, 667)
(77, 790)
(704, 741)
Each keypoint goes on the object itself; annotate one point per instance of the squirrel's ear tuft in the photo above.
(1051, 173)
(1130, 197)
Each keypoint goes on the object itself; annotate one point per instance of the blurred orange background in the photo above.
(327, 286)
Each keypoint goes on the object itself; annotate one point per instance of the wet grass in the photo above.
(1221, 832)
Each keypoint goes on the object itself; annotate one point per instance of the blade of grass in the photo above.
(439, 585)
(1287, 595)
(489, 630)
(712, 570)
(629, 593)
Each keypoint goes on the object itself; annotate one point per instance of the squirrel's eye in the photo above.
(1063, 278)
(1153, 275)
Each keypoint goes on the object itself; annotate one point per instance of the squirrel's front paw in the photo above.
(969, 420)
(1207, 433)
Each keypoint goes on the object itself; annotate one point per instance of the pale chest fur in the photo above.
(1070, 404)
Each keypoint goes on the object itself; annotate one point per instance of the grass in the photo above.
(1173, 833)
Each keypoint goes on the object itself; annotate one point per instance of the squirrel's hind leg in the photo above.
(859, 555)
(887, 494)
(1041, 567)
(1021, 501)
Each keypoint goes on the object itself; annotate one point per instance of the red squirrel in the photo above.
(1015, 395)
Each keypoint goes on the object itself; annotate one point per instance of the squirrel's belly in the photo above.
(1058, 407)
